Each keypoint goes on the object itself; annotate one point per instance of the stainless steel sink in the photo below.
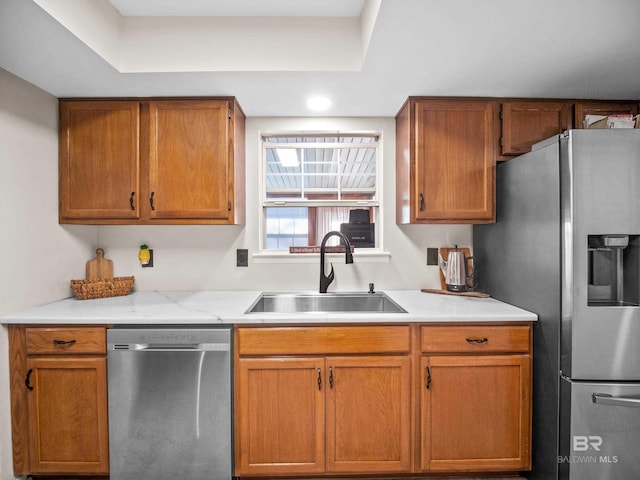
(377, 302)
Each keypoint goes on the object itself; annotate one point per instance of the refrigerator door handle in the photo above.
(606, 399)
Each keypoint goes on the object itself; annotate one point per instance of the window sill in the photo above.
(359, 256)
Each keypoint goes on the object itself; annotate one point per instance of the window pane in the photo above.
(286, 226)
(290, 226)
(320, 167)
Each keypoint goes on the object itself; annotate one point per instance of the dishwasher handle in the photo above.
(152, 347)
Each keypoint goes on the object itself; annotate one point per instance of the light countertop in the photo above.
(228, 307)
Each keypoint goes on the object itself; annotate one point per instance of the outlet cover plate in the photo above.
(432, 256)
(242, 257)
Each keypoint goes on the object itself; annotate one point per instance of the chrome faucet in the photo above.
(325, 280)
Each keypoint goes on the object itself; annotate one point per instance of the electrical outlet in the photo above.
(242, 257)
(432, 256)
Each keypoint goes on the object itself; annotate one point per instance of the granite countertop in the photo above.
(228, 307)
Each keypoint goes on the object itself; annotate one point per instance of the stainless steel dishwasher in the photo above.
(170, 403)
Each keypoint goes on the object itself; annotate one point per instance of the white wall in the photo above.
(37, 256)
(203, 257)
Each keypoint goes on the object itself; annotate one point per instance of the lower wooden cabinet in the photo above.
(343, 409)
(368, 414)
(421, 399)
(281, 415)
(68, 415)
(59, 400)
(475, 398)
(475, 413)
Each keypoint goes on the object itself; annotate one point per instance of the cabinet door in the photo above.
(281, 416)
(581, 110)
(454, 161)
(68, 431)
(526, 123)
(99, 160)
(368, 414)
(189, 153)
(475, 413)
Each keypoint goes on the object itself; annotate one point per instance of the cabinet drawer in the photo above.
(66, 340)
(322, 340)
(474, 339)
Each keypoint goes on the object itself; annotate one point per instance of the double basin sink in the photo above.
(358, 302)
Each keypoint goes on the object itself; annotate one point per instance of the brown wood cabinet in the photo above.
(99, 160)
(445, 161)
(527, 122)
(59, 400)
(475, 398)
(602, 107)
(299, 412)
(152, 161)
(281, 415)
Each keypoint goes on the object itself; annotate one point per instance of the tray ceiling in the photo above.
(367, 63)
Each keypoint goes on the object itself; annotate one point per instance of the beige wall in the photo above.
(37, 256)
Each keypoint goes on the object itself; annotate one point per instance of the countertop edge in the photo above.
(229, 307)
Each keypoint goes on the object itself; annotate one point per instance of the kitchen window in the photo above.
(316, 183)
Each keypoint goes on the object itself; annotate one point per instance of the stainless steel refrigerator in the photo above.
(566, 245)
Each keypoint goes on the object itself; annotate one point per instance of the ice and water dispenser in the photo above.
(614, 270)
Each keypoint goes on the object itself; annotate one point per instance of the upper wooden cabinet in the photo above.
(99, 160)
(445, 161)
(168, 161)
(582, 109)
(527, 122)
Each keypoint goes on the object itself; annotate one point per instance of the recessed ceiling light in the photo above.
(318, 103)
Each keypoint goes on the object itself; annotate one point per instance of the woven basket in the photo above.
(107, 287)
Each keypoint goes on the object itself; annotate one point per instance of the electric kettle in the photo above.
(456, 272)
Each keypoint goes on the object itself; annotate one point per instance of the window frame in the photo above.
(376, 204)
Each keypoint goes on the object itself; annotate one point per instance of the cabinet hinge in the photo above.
(229, 114)
(229, 206)
(501, 141)
(501, 114)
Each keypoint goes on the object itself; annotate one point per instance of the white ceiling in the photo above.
(524, 48)
(232, 8)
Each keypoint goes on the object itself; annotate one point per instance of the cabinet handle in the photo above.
(64, 342)
(319, 379)
(27, 381)
(428, 383)
(421, 202)
(133, 194)
(477, 340)
(151, 201)
(330, 377)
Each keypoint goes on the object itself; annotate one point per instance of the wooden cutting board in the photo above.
(444, 253)
(99, 268)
